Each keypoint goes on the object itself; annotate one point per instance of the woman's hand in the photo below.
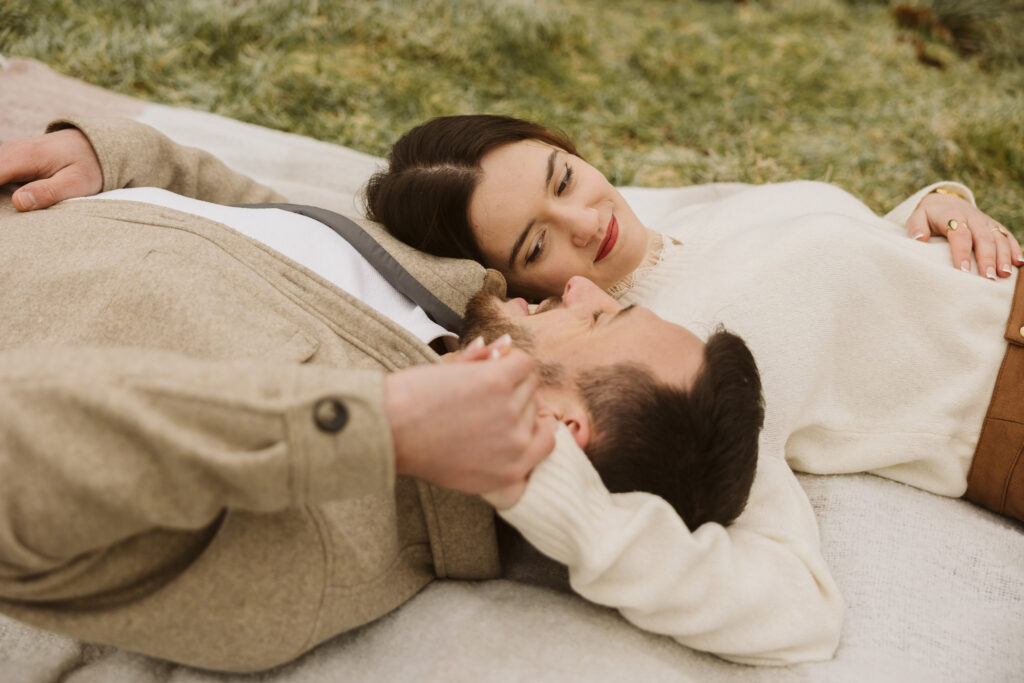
(469, 426)
(545, 424)
(966, 227)
(502, 434)
(55, 166)
(478, 350)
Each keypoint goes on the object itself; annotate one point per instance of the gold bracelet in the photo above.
(952, 193)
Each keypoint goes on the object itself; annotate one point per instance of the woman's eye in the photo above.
(565, 180)
(535, 252)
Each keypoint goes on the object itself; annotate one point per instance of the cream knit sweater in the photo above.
(876, 355)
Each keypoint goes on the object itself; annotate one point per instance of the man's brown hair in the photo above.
(697, 449)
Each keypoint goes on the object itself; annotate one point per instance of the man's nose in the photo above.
(579, 289)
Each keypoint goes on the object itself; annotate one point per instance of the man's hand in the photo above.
(55, 166)
(469, 426)
(995, 248)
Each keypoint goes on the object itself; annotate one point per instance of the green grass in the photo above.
(656, 92)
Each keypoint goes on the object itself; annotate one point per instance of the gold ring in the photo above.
(953, 224)
(1001, 230)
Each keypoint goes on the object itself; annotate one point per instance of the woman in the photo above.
(874, 357)
(517, 197)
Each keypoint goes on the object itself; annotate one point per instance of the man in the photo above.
(757, 591)
(198, 432)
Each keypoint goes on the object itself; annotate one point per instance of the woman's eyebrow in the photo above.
(551, 168)
(526, 232)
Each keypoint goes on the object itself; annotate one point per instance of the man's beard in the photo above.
(484, 318)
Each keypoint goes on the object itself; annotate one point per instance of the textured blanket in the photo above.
(934, 587)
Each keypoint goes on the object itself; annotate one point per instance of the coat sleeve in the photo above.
(97, 445)
(756, 592)
(133, 154)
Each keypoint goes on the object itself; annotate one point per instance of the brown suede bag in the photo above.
(996, 479)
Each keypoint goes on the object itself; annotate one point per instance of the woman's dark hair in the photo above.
(697, 449)
(422, 196)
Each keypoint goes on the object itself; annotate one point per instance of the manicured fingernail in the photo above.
(918, 235)
(965, 266)
(990, 273)
(1006, 269)
(26, 200)
(501, 346)
(475, 344)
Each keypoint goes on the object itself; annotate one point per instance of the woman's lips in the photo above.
(611, 235)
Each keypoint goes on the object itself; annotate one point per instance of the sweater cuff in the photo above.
(564, 502)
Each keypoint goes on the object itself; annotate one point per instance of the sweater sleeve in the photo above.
(132, 154)
(101, 444)
(756, 592)
(901, 213)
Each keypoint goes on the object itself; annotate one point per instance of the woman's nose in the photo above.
(585, 230)
(581, 223)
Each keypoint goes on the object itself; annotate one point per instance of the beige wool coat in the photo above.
(165, 485)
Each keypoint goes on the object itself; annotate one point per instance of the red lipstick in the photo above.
(610, 237)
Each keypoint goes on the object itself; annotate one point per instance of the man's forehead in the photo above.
(669, 351)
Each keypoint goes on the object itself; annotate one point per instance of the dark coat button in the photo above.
(330, 414)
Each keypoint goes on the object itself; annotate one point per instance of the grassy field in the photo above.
(656, 92)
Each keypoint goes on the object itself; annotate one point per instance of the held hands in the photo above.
(966, 227)
(470, 426)
(55, 166)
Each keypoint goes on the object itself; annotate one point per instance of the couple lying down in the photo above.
(209, 411)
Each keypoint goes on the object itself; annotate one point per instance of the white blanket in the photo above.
(934, 587)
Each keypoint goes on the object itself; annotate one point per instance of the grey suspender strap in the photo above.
(386, 264)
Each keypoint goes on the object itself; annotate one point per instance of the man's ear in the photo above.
(568, 408)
